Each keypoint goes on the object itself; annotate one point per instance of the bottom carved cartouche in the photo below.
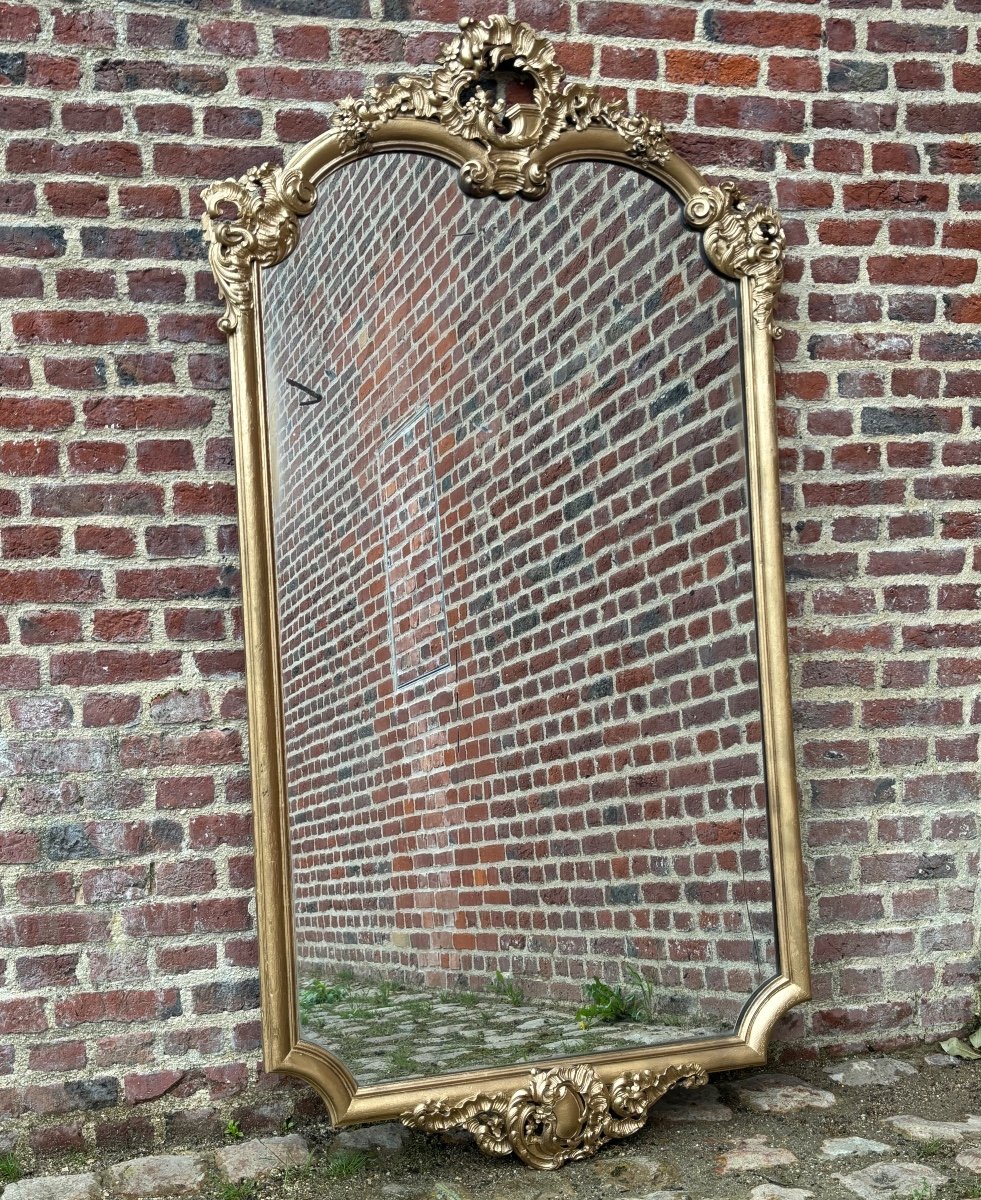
(564, 1114)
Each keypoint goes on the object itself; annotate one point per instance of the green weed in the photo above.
(401, 1062)
(507, 989)
(10, 1168)
(931, 1148)
(234, 1132)
(345, 1164)
(246, 1190)
(645, 992)
(317, 993)
(607, 1004)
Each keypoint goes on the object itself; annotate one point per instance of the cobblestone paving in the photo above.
(381, 1034)
(898, 1128)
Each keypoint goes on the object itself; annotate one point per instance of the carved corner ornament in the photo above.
(742, 241)
(268, 203)
(565, 1114)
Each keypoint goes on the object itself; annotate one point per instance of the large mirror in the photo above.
(525, 805)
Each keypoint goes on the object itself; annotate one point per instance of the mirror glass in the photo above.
(519, 673)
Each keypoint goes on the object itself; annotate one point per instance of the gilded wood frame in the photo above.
(570, 1109)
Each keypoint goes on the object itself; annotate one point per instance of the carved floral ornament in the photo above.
(565, 1114)
(462, 97)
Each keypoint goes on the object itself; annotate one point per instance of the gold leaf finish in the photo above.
(269, 202)
(742, 241)
(462, 96)
(565, 1114)
(462, 116)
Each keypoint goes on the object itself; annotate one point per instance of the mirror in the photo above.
(519, 670)
(511, 556)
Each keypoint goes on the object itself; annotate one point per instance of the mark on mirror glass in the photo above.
(413, 553)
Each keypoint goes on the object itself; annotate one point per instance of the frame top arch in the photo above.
(462, 114)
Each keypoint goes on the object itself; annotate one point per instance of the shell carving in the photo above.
(465, 96)
(564, 1114)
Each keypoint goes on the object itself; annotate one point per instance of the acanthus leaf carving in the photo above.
(268, 202)
(462, 96)
(565, 1114)
(742, 241)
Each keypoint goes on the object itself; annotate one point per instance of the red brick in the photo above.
(22, 1015)
(97, 457)
(160, 454)
(84, 28)
(51, 586)
(235, 38)
(933, 270)
(750, 112)
(303, 43)
(148, 412)
(30, 541)
(800, 31)
(886, 194)
(126, 625)
(797, 74)
(19, 23)
(897, 37)
(49, 628)
(78, 328)
(293, 83)
(96, 539)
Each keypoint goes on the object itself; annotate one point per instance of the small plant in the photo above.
(317, 993)
(924, 1192)
(10, 1168)
(607, 1004)
(644, 995)
(507, 989)
(233, 1131)
(237, 1191)
(345, 1164)
(931, 1148)
(300, 1173)
(969, 1048)
(401, 1062)
(384, 991)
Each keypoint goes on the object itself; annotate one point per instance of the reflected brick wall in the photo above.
(519, 668)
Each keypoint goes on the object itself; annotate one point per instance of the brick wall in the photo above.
(127, 932)
(521, 694)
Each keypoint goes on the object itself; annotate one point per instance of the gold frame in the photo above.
(567, 1111)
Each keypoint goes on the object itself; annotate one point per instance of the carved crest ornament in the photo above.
(466, 97)
(465, 113)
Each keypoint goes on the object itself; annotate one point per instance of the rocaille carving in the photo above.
(461, 95)
(564, 1114)
(269, 202)
(740, 240)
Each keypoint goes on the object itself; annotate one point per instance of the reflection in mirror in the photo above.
(521, 705)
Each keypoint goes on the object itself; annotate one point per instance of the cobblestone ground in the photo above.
(902, 1127)
(383, 1034)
